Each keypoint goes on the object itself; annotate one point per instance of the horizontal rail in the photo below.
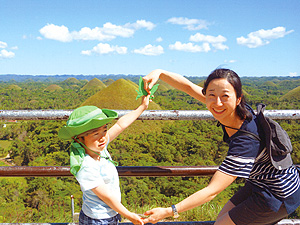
(124, 171)
(146, 115)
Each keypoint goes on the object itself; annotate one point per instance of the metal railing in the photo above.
(124, 171)
(54, 171)
(146, 115)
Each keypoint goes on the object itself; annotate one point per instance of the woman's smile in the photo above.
(221, 100)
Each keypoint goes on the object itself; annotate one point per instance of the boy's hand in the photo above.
(135, 219)
(145, 101)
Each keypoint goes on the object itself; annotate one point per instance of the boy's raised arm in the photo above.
(126, 120)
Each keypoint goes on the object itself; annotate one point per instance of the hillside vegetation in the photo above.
(146, 143)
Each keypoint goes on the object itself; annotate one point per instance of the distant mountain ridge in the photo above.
(134, 78)
(55, 78)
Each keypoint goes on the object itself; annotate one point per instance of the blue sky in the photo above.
(190, 37)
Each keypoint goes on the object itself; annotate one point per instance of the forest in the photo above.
(145, 143)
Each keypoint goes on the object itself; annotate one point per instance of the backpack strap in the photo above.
(243, 132)
(260, 108)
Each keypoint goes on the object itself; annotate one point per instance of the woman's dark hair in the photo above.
(236, 83)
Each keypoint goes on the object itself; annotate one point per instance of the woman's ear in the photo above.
(238, 101)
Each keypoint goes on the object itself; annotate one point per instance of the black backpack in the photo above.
(275, 138)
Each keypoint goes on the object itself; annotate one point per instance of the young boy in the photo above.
(92, 165)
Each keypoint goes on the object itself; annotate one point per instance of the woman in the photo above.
(269, 194)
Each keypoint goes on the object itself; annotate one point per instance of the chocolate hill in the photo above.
(53, 87)
(292, 95)
(94, 84)
(121, 95)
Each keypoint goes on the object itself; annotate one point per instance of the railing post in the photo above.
(72, 205)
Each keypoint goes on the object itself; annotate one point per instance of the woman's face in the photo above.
(97, 140)
(221, 100)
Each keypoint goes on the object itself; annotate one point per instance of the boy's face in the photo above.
(97, 140)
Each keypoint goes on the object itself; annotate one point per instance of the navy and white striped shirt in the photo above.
(245, 159)
(281, 183)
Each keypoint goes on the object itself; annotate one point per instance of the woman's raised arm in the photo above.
(175, 80)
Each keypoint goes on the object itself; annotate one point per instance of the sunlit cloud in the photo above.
(159, 39)
(3, 44)
(104, 48)
(107, 32)
(58, 33)
(216, 42)
(150, 50)
(140, 24)
(190, 47)
(4, 54)
(262, 37)
(293, 74)
(189, 24)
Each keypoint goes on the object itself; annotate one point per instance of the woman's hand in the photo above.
(151, 79)
(157, 214)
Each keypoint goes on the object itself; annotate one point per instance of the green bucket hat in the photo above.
(86, 118)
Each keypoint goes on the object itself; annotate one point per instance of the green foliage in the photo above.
(175, 143)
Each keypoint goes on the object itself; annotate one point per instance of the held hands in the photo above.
(151, 79)
(157, 214)
(135, 219)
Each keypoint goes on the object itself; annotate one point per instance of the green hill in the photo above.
(292, 95)
(14, 87)
(53, 87)
(108, 82)
(201, 84)
(71, 80)
(94, 84)
(163, 86)
(121, 95)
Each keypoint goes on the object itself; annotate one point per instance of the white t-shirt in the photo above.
(92, 174)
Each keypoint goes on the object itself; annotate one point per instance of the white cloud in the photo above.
(293, 74)
(3, 44)
(107, 32)
(190, 47)
(207, 38)
(220, 46)
(15, 48)
(262, 37)
(96, 33)
(159, 39)
(150, 50)
(190, 24)
(139, 24)
(58, 33)
(217, 42)
(6, 54)
(104, 48)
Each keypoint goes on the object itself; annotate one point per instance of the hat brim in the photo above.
(67, 132)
